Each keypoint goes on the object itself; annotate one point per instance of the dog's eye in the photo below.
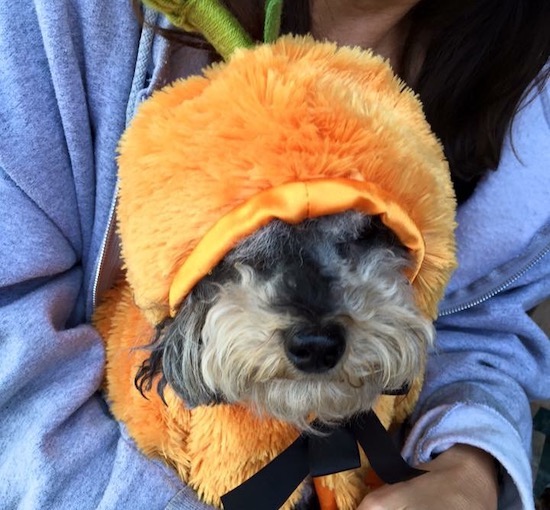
(347, 249)
(343, 249)
(290, 280)
(368, 233)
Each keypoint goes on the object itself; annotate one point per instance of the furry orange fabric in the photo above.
(292, 130)
(294, 111)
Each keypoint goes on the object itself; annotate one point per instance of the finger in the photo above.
(387, 497)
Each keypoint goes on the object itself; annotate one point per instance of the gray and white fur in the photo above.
(314, 319)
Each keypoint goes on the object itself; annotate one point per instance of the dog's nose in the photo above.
(315, 352)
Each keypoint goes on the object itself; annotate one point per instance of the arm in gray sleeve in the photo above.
(61, 112)
(490, 361)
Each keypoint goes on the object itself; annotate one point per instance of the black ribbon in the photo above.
(333, 451)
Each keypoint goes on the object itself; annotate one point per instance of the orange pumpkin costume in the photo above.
(291, 130)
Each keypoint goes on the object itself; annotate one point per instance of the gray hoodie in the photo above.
(69, 79)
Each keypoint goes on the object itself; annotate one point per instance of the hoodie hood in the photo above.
(292, 130)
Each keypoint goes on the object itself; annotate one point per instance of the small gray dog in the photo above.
(315, 319)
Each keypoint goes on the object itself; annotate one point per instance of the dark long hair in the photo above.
(481, 58)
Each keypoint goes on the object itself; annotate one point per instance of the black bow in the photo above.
(333, 451)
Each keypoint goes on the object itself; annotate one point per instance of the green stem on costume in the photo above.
(272, 23)
(208, 17)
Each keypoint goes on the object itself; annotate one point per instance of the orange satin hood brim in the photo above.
(294, 202)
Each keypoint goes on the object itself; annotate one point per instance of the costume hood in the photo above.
(292, 130)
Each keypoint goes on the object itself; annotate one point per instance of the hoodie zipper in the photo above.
(500, 288)
(109, 253)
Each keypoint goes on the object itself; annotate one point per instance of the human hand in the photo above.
(462, 478)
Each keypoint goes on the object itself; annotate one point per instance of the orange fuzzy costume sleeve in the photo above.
(292, 130)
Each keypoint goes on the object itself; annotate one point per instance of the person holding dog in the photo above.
(72, 78)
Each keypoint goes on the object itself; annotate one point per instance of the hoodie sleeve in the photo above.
(490, 358)
(489, 362)
(61, 112)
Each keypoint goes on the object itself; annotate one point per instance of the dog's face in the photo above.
(315, 319)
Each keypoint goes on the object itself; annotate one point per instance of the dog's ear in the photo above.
(181, 362)
(176, 352)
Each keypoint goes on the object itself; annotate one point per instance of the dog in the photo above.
(285, 249)
(298, 321)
